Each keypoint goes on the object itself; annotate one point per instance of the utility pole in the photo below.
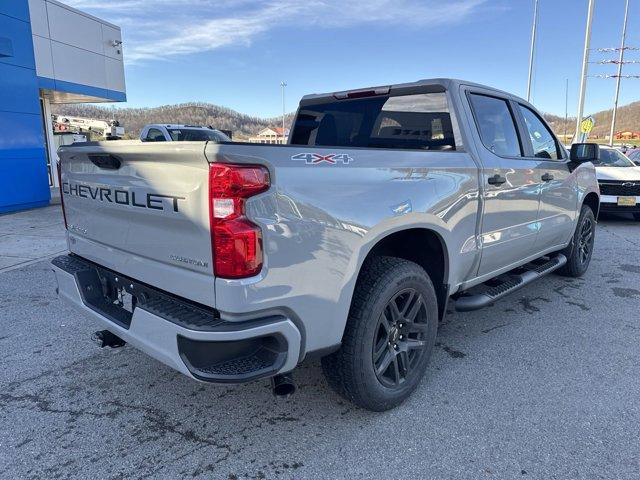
(619, 76)
(533, 48)
(585, 64)
(283, 84)
(566, 107)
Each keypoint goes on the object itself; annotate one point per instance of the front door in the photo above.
(559, 196)
(511, 194)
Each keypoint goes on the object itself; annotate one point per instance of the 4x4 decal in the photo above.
(318, 158)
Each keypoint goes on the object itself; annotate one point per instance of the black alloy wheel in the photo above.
(400, 338)
(586, 240)
(389, 336)
(580, 250)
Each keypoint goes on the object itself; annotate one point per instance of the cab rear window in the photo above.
(419, 121)
(195, 135)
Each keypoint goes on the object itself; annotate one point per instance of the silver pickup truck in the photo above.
(231, 262)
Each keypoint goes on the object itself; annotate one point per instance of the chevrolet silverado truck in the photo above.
(231, 262)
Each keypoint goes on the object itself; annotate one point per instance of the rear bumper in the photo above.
(187, 337)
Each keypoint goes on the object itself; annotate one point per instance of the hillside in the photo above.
(628, 118)
(133, 119)
(244, 126)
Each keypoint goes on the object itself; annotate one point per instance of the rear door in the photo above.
(558, 192)
(154, 135)
(511, 185)
(141, 209)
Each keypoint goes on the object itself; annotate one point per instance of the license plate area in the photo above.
(97, 286)
(104, 295)
(126, 300)
(120, 293)
(626, 201)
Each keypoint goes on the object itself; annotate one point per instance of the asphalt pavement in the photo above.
(543, 385)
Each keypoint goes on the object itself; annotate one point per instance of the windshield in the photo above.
(197, 135)
(610, 157)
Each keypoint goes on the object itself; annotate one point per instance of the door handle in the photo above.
(496, 180)
(547, 177)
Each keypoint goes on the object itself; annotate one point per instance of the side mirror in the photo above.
(584, 152)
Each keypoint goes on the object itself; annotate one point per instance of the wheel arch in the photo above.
(592, 200)
(423, 246)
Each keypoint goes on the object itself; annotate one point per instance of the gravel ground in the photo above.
(544, 384)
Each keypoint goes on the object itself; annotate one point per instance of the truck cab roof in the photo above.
(419, 86)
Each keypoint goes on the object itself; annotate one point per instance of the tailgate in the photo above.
(141, 209)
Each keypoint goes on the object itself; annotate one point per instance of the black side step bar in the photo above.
(469, 302)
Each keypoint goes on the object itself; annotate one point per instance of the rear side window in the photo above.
(155, 135)
(495, 124)
(543, 142)
(420, 121)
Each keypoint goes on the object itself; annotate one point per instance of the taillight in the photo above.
(64, 214)
(236, 242)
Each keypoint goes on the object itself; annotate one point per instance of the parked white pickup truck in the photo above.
(231, 262)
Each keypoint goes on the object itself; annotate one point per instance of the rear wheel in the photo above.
(389, 335)
(580, 249)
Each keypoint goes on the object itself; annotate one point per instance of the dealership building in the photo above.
(49, 53)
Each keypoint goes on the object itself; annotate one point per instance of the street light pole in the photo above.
(283, 84)
(533, 48)
(566, 107)
(619, 77)
(585, 64)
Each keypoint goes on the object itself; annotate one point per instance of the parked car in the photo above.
(238, 261)
(619, 180)
(181, 133)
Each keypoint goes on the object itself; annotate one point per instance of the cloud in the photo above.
(165, 28)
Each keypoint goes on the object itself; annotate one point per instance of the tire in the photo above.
(386, 314)
(580, 249)
(636, 216)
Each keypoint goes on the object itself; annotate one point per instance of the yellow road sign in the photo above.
(587, 125)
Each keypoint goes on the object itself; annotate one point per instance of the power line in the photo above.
(615, 49)
(614, 76)
(616, 62)
(620, 62)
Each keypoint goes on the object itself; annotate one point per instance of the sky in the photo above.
(235, 53)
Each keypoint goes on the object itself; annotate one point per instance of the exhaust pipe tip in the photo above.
(283, 385)
(104, 338)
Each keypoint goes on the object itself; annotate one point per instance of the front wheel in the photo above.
(580, 249)
(389, 335)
